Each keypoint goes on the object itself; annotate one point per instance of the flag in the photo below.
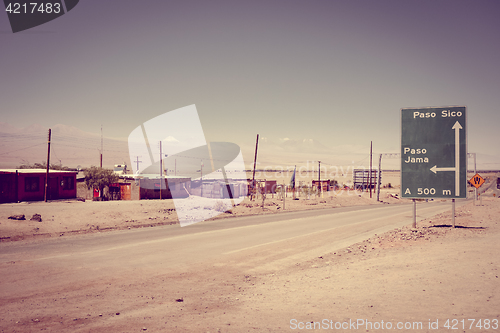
(292, 180)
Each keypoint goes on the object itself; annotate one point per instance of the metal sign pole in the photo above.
(414, 225)
(475, 188)
(453, 212)
(379, 174)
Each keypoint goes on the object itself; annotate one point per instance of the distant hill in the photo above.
(72, 147)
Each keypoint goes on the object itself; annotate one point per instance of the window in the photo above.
(68, 183)
(32, 184)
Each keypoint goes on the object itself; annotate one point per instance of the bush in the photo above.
(220, 206)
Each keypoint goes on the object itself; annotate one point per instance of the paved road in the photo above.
(29, 268)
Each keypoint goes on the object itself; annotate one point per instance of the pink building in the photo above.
(29, 185)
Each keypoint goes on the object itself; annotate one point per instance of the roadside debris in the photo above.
(17, 217)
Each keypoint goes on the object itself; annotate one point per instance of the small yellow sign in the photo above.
(476, 180)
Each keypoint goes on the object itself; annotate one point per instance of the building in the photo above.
(121, 190)
(151, 187)
(29, 185)
(325, 184)
(218, 188)
(362, 181)
(139, 188)
(264, 186)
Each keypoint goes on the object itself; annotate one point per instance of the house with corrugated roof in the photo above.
(29, 185)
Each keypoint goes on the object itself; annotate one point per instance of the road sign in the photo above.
(434, 153)
(476, 181)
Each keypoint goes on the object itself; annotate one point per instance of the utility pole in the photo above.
(371, 155)
(101, 146)
(137, 162)
(254, 165)
(201, 179)
(389, 155)
(161, 171)
(319, 178)
(48, 163)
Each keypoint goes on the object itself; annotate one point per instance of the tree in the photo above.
(43, 165)
(99, 178)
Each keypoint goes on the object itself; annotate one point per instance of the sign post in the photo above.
(477, 181)
(434, 153)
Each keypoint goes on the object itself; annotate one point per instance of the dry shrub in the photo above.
(220, 206)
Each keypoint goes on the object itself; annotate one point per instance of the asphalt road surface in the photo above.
(28, 268)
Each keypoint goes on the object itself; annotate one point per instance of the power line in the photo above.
(12, 151)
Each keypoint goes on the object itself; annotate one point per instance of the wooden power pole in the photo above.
(254, 165)
(320, 188)
(161, 171)
(370, 181)
(101, 147)
(47, 173)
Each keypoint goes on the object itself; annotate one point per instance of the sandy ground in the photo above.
(422, 279)
(65, 218)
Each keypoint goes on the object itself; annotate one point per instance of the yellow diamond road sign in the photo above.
(476, 180)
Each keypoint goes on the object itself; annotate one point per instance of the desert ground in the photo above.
(430, 279)
(67, 217)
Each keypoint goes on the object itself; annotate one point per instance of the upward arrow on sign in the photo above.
(457, 127)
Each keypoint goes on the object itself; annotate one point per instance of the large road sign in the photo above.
(434, 153)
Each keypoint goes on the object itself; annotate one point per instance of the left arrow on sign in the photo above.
(435, 169)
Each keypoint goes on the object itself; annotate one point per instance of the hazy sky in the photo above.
(334, 71)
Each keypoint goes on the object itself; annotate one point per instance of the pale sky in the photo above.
(337, 72)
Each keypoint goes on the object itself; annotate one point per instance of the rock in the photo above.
(36, 217)
(17, 217)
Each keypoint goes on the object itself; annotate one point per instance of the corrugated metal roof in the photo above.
(153, 176)
(44, 171)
